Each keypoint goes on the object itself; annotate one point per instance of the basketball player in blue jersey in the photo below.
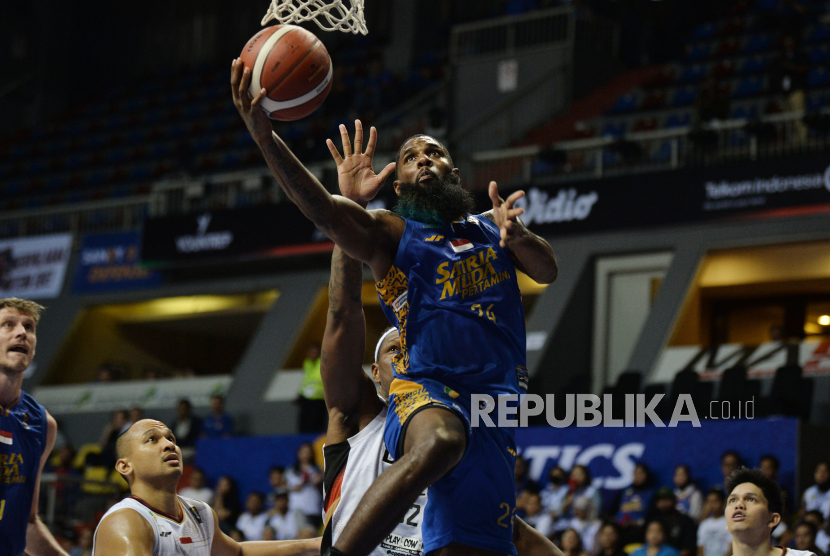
(355, 454)
(447, 280)
(27, 434)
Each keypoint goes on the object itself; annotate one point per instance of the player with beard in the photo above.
(27, 435)
(355, 454)
(448, 283)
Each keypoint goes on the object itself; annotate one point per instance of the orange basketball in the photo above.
(294, 68)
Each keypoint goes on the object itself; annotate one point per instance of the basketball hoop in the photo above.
(330, 15)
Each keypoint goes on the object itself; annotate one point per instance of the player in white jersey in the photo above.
(156, 521)
(355, 454)
(753, 510)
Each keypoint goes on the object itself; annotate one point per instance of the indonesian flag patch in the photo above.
(186, 540)
(459, 245)
(6, 437)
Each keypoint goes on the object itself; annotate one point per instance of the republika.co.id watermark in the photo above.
(589, 410)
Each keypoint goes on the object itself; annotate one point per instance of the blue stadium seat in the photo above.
(819, 54)
(610, 158)
(756, 64)
(705, 31)
(817, 33)
(744, 112)
(663, 152)
(614, 129)
(699, 51)
(678, 119)
(625, 103)
(684, 96)
(692, 74)
(816, 102)
(748, 86)
(818, 76)
(758, 43)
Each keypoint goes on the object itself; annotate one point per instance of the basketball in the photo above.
(293, 66)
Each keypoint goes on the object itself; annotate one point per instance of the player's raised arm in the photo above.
(530, 253)
(371, 237)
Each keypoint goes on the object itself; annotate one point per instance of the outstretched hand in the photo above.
(355, 175)
(505, 215)
(255, 119)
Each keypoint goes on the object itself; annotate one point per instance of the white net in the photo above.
(331, 15)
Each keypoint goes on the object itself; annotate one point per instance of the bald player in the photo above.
(155, 521)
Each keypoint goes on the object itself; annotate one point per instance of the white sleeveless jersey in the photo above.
(350, 469)
(192, 536)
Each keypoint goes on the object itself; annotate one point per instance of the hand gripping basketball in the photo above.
(355, 175)
(505, 215)
(255, 119)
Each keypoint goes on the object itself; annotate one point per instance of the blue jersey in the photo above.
(453, 295)
(22, 441)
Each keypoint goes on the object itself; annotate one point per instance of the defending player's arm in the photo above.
(371, 237)
(530, 253)
(223, 545)
(39, 541)
(346, 387)
(530, 542)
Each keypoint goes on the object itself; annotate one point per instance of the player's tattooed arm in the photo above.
(530, 253)
(368, 236)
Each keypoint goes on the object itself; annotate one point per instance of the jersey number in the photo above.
(416, 510)
(508, 513)
(490, 315)
(2, 508)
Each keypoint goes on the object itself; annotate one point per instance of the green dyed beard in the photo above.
(438, 203)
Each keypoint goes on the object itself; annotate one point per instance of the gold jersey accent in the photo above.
(392, 292)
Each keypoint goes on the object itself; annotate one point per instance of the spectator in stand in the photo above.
(554, 493)
(218, 424)
(730, 461)
(535, 514)
(254, 519)
(136, 414)
(66, 492)
(609, 541)
(286, 522)
(571, 543)
(634, 506)
(711, 103)
(522, 476)
(305, 481)
(817, 497)
(680, 529)
(269, 534)
(197, 489)
(822, 537)
(119, 422)
(656, 541)
(769, 466)
(276, 478)
(313, 412)
(805, 538)
(84, 546)
(237, 535)
(226, 504)
(689, 498)
(790, 79)
(186, 429)
(579, 485)
(713, 539)
(585, 522)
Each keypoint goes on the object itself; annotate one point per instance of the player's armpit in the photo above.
(124, 533)
(530, 542)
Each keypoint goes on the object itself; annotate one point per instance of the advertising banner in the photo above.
(34, 267)
(110, 262)
(609, 453)
(762, 189)
(226, 235)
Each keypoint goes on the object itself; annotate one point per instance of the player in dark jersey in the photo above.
(471, 328)
(27, 434)
(357, 408)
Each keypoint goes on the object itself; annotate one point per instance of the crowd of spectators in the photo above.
(649, 519)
